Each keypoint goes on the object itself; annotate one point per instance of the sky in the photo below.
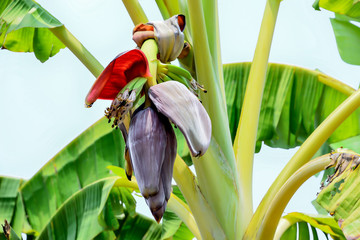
(42, 105)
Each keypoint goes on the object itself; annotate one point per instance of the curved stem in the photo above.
(286, 192)
(208, 225)
(78, 50)
(244, 144)
(303, 155)
(135, 11)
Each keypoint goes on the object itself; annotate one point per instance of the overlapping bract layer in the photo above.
(168, 35)
(120, 71)
(152, 146)
(181, 106)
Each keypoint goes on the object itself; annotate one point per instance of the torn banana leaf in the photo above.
(341, 196)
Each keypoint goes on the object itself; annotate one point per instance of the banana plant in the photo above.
(164, 118)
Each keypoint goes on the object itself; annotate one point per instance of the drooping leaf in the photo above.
(77, 218)
(345, 7)
(295, 102)
(24, 27)
(9, 188)
(79, 164)
(174, 228)
(347, 37)
(170, 224)
(341, 197)
(305, 225)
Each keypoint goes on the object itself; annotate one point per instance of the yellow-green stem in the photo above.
(135, 11)
(244, 144)
(78, 50)
(182, 210)
(163, 9)
(175, 204)
(204, 217)
(151, 50)
(212, 29)
(172, 6)
(282, 198)
(303, 155)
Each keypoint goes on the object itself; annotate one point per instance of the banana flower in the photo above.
(150, 140)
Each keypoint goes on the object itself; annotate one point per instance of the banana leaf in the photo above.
(347, 37)
(79, 164)
(341, 196)
(24, 27)
(9, 232)
(9, 188)
(346, 33)
(305, 225)
(9, 192)
(172, 226)
(345, 7)
(295, 102)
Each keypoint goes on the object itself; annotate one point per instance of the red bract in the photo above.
(124, 68)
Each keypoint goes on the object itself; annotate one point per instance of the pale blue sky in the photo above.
(43, 104)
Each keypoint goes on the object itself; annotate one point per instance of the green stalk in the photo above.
(163, 9)
(245, 140)
(135, 11)
(150, 48)
(212, 29)
(282, 198)
(78, 50)
(223, 163)
(219, 186)
(208, 225)
(172, 6)
(303, 155)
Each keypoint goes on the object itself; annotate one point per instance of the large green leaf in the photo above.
(341, 197)
(295, 102)
(24, 27)
(77, 218)
(305, 225)
(79, 164)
